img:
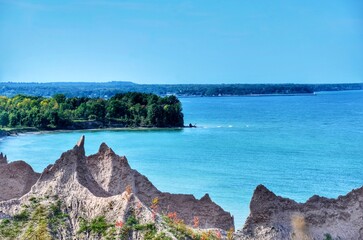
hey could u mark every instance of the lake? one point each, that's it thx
(297, 146)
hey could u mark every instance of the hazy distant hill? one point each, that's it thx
(108, 89)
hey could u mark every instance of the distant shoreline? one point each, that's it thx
(254, 95)
(108, 89)
(271, 95)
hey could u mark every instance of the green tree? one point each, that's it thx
(60, 98)
(14, 119)
(4, 119)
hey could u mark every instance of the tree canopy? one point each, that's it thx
(132, 109)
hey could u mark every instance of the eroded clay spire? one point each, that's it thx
(79, 147)
(80, 142)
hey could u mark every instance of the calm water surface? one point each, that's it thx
(297, 146)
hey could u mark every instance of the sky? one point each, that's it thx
(172, 41)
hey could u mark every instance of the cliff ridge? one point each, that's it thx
(104, 184)
(275, 217)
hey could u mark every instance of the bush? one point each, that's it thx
(22, 216)
(99, 225)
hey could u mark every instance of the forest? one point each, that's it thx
(130, 109)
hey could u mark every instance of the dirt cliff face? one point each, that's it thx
(16, 178)
(113, 174)
(104, 184)
(274, 217)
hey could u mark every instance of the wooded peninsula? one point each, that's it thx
(131, 109)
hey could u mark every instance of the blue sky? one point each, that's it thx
(173, 41)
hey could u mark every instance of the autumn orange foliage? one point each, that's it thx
(119, 224)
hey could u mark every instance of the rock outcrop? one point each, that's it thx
(104, 184)
(16, 178)
(274, 217)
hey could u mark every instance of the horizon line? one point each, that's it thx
(130, 82)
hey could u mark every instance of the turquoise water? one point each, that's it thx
(297, 146)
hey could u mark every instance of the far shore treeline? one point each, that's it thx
(108, 89)
(131, 109)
